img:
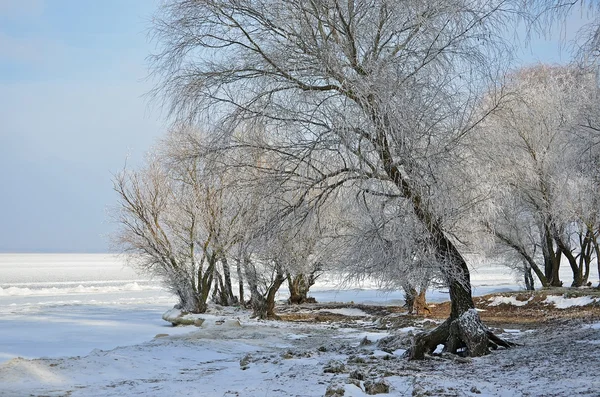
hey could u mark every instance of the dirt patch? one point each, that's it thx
(524, 310)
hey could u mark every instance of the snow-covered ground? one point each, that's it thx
(86, 325)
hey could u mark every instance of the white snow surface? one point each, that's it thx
(348, 311)
(560, 302)
(86, 325)
(272, 358)
(508, 300)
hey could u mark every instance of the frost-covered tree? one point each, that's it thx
(531, 156)
(372, 93)
(162, 229)
(374, 240)
(178, 220)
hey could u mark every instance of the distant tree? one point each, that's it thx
(529, 150)
(179, 220)
(376, 241)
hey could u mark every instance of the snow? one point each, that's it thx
(84, 325)
(352, 312)
(79, 289)
(594, 326)
(507, 300)
(560, 302)
(209, 363)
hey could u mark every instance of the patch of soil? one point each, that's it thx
(318, 312)
(532, 314)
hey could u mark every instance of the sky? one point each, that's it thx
(72, 109)
(73, 75)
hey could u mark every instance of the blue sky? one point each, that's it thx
(72, 80)
(72, 77)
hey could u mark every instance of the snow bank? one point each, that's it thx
(177, 317)
(348, 311)
(507, 300)
(560, 302)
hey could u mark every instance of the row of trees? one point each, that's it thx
(196, 221)
(540, 157)
(374, 136)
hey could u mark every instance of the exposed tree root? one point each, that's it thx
(466, 336)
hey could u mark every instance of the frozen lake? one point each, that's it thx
(68, 304)
(55, 305)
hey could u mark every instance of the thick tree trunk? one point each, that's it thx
(270, 301)
(464, 327)
(299, 286)
(263, 302)
(415, 301)
(463, 332)
(552, 259)
(555, 270)
(263, 306)
(231, 298)
(575, 268)
(222, 290)
(410, 295)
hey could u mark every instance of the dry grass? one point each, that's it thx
(535, 313)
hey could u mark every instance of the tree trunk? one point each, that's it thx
(415, 301)
(575, 269)
(528, 261)
(270, 301)
(529, 283)
(263, 306)
(218, 291)
(463, 332)
(231, 298)
(420, 304)
(410, 294)
(299, 286)
(467, 328)
(552, 259)
(240, 283)
(555, 270)
(585, 256)
(263, 303)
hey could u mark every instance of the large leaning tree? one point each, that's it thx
(374, 95)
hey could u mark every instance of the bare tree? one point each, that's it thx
(530, 153)
(377, 94)
(160, 227)
(180, 221)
